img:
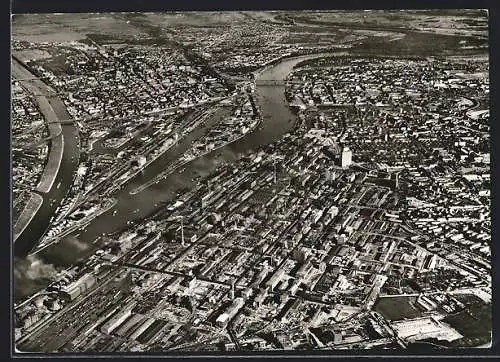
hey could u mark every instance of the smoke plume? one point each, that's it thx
(31, 274)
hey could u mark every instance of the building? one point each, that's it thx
(229, 314)
(78, 287)
(275, 279)
(346, 157)
(117, 319)
(430, 262)
(426, 303)
(141, 161)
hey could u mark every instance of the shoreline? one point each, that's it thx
(29, 211)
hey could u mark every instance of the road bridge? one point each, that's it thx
(63, 121)
(269, 82)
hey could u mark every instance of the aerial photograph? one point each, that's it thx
(248, 181)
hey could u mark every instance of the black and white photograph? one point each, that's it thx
(250, 181)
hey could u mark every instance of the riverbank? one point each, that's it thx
(62, 161)
(109, 204)
(30, 209)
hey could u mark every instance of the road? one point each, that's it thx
(233, 337)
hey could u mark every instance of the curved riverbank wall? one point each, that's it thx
(41, 91)
(55, 155)
(30, 209)
(61, 164)
(56, 147)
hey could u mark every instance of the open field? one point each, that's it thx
(444, 21)
(424, 44)
(194, 19)
(68, 27)
(402, 33)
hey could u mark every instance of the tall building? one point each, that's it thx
(346, 158)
